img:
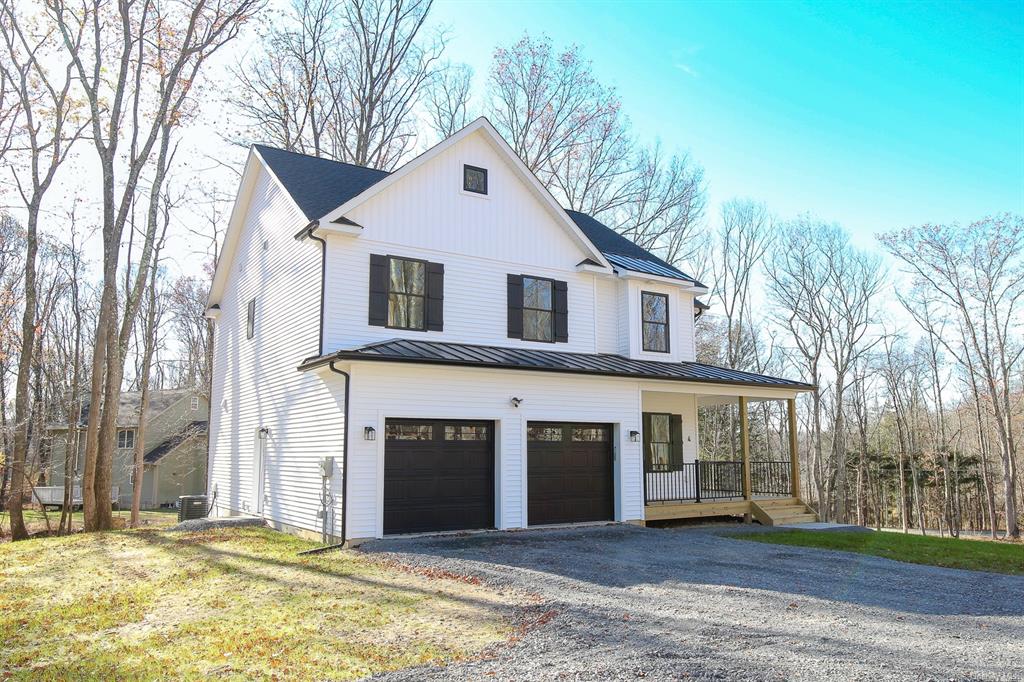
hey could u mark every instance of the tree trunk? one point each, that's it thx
(21, 391)
(147, 361)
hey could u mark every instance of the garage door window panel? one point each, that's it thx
(409, 432)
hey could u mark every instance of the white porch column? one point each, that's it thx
(745, 447)
(794, 459)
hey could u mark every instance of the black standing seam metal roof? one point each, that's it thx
(500, 357)
(318, 186)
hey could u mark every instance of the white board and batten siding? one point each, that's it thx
(480, 240)
(383, 390)
(256, 381)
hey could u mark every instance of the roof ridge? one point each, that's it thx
(319, 158)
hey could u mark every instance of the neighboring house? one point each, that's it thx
(175, 447)
(468, 353)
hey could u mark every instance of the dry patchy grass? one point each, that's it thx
(41, 522)
(233, 603)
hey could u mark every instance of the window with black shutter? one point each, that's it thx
(406, 293)
(538, 309)
(663, 441)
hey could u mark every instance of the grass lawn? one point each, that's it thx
(235, 603)
(975, 555)
(36, 520)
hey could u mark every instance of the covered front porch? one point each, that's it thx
(702, 458)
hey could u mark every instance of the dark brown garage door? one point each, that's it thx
(569, 473)
(438, 475)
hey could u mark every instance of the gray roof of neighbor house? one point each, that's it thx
(318, 186)
(131, 405)
(499, 357)
(172, 441)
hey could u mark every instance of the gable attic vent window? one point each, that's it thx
(194, 403)
(474, 179)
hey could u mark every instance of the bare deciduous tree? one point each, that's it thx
(569, 129)
(47, 128)
(136, 70)
(447, 99)
(976, 273)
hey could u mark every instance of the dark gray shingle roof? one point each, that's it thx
(196, 428)
(500, 357)
(321, 185)
(318, 185)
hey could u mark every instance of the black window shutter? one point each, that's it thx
(515, 306)
(378, 290)
(435, 297)
(561, 311)
(675, 425)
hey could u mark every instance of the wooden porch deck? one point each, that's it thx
(767, 511)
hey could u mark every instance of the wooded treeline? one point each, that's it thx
(915, 341)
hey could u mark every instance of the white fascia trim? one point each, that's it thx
(347, 230)
(597, 269)
(499, 144)
(683, 284)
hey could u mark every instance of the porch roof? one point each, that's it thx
(537, 360)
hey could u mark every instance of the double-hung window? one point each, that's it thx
(125, 439)
(658, 441)
(654, 312)
(538, 317)
(407, 292)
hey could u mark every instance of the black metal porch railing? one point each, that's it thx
(770, 478)
(697, 481)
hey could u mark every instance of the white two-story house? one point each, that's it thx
(444, 347)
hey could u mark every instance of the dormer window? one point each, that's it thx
(654, 310)
(474, 179)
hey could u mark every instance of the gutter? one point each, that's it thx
(308, 231)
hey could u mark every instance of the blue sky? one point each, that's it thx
(874, 115)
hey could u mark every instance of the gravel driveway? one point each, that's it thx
(622, 602)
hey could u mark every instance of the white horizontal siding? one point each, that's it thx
(475, 298)
(256, 383)
(385, 390)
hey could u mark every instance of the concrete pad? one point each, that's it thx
(822, 525)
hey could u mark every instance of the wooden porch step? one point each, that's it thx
(782, 512)
(795, 518)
